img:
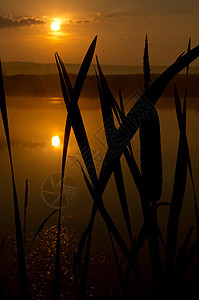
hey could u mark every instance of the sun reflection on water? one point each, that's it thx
(55, 141)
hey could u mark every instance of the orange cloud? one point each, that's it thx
(10, 22)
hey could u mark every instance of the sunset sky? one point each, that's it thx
(121, 25)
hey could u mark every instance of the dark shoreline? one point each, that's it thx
(48, 85)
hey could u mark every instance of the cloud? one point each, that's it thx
(10, 22)
(98, 18)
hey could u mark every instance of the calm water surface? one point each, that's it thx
(34, 121)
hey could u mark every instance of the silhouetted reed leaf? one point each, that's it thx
(121, 102)
(19, 236)
(109, 126)
(181, 127)
(25, 210)
(81, 245)
(182, 251)
(188, 158)
(188, 259)
(178, 193)
(87, 234)
(122, 114)
(41, 226)
(84, 274)
(84, 69)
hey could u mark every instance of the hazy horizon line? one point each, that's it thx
(78, 63)
(36, 68)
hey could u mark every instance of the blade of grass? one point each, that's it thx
(25, 211)
(188, 158)
(84, 69)
(41, 226)
(19, 237)
(84, 274)
(192, 253)
(177, 195)
(109, 126)
(180, 124)
(121, 102)
(182, 251)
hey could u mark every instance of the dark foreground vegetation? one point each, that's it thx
(168, 263)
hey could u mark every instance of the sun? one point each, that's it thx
(55, 141)
(55, 26)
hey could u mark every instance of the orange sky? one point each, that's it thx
(26, 35)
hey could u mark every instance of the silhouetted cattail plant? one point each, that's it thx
(151, 169)
(150, 145)
(146, 66)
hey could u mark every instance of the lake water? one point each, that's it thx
(34, 121)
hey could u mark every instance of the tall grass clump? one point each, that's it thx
(148, 181)
(148, 177)
(92, 182)
(71, 97)
(18, 228)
